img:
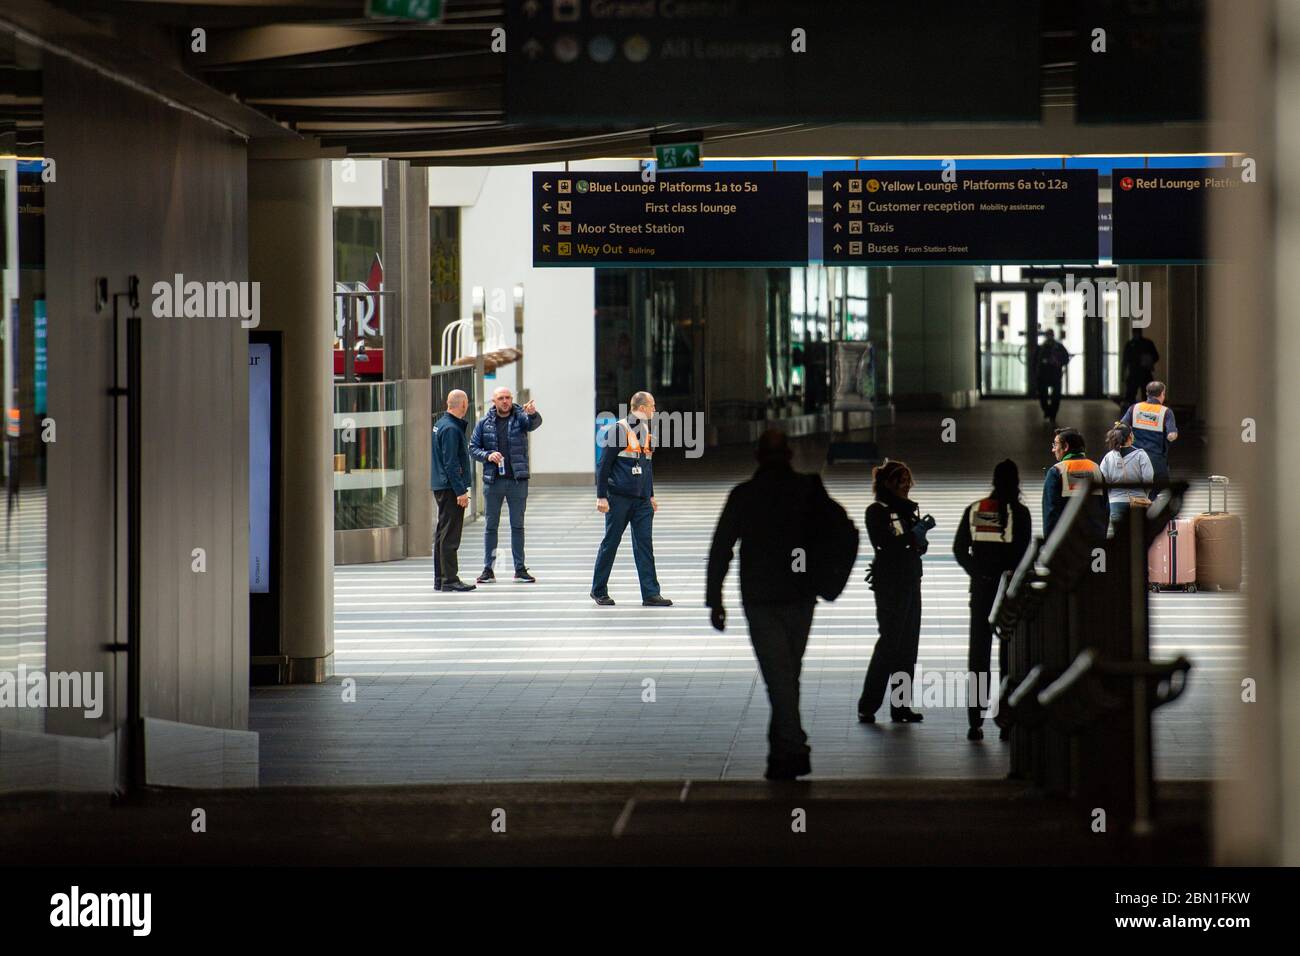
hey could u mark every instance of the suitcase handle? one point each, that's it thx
(1222, 481)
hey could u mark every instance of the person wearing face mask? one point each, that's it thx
(898, 535)
(625, 494)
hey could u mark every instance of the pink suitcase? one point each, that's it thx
(1171, 562)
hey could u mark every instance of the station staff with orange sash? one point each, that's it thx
(991, 539)
(1153, 427)
(1067, 478)
(625, 495)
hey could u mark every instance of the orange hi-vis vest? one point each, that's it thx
(1149, 417)
(1073, 471)
(634, 447)
(986, 522)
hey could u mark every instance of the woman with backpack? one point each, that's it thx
(898, 535)
(1124, 463)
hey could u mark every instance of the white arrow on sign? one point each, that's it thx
(546, 186)
(546, 207)
(838, 247)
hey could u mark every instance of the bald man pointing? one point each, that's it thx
(450, 477)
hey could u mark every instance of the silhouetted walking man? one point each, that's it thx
(776, 516)
(1052, 359)
(1139, 361)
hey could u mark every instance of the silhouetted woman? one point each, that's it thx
(897, 534)
(991, 539)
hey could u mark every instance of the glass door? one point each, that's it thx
(1090, 333)
(1004, 342)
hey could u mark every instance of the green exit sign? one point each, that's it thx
(428, 10)
(677, 157)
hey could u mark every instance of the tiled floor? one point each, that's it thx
(520, 682)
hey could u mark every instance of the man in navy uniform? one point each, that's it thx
(625, 494)
(1153, 427)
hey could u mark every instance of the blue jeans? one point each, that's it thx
(515, 491)
(640, 514)
(1117, 510)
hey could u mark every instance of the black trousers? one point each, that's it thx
(1049, 396)
(779, 633)
(1135, 386)
(983, 592)
(898, 619)
(446, 537)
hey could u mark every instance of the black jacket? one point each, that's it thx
(889, 526)
(450, 466)
(988, 559)
(771, 515)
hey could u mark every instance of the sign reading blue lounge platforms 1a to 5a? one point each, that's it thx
(706, 219)
(1159, 214)
(989, 217)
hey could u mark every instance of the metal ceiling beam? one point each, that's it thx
(278, 41)
(100, 48)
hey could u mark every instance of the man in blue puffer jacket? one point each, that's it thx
(500, 442)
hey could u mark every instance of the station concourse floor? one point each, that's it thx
(533, 682)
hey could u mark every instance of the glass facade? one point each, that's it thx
(368, 423)
(648, 336)
(358, 246)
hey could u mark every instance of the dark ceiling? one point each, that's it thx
(433, 93)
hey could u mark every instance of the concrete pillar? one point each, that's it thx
(1254, 347)
(290, 238)
(880, 323)
(736, 319)
(933, 330)
(406, 341)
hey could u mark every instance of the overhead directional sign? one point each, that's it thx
(736, 61)
(1159, 214)
(989, 217)
(708, 219)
